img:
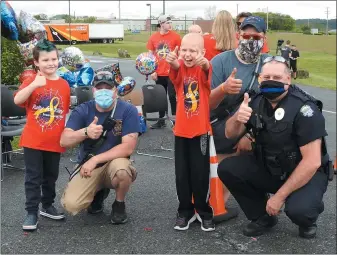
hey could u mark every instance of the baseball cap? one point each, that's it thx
(163, 19)
(104, 77)
(256, 22)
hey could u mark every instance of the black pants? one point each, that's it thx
(167, 84)
(250, 184)
(192, 168)
(293, 65)
(42, 169)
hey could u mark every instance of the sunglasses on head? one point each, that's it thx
(106, 76)
(277, 59)
(249, 36)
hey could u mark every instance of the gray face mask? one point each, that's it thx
(249, 50)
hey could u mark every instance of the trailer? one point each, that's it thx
(106, 33)
(65, 33)
(87, 33)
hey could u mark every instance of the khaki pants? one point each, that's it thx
(80, 192)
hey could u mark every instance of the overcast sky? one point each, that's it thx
(192, 9)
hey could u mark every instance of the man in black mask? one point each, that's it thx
(289, 156)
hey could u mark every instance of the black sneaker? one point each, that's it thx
(206, 225)
(30, 222)
(308, 232)
(183, 223)
(97, 204)
(118, 213)
(52, 213)
(260, 226)
(159, 124)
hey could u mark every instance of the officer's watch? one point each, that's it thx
(86, 131)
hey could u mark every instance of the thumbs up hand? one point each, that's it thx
(39, 80)
(172, 56)
(244, 112)
(232, 85)
(94, 131)
(202, 61)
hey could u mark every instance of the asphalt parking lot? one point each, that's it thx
(151, 206)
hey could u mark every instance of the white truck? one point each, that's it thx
(105, 33)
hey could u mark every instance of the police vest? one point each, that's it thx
(275, 145)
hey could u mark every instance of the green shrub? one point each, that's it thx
(12, 62)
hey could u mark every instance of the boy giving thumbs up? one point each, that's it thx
(190, 74)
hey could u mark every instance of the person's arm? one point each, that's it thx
(309, 141)
(150, 45)
(74, 132)
(130, 130)
(311, 161)
(123, 150)
(236, 125)
(23, 94)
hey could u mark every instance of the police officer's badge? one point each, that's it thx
(307, 111)
(279, 113)
(117, 130)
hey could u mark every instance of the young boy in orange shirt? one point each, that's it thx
(46, 98)
(190, 76)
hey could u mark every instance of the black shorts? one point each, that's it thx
(293, 66)
(222, 144)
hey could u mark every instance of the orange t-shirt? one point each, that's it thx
(192, 85)
(161, 45)
(46, 110)
(265, 48)
(209, 44)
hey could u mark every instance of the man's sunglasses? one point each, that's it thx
(277, 59)
(249, 36)
(238, 24)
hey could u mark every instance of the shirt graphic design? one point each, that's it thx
(191, 96)
(48, 109)
(162, 49)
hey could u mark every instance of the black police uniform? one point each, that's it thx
(295, 122)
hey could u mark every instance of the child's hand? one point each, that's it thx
(202, 61)
(40, 80)
(172, 56)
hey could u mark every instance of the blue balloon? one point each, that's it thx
(126, 86)
(9, 25)
(85, 76)
(67, 75)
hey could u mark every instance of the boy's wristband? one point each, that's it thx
(86, 131)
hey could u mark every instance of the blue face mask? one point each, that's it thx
(104, 98)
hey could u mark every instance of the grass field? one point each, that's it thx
(318, 53)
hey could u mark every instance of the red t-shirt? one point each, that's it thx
(161, 45)
(209, 45)
(192, 85)
(46, 110)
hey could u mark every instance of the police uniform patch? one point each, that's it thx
(117, 130)
(307, 111)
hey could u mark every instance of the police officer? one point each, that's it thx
(289, 156)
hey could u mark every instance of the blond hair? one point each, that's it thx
(223, 30)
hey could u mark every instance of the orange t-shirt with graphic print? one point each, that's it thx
(209, 45)
(46, 111)
(161, 45)
(192, 85)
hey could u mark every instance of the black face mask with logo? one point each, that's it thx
(272, 89)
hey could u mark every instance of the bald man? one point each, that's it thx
(195, 29)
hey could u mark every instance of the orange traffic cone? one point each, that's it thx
(217, 201)
(335, 166)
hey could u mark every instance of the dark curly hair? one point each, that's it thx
(43, 45)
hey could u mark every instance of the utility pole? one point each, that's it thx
(237, 9)
(69, 23)
(119, 11)
(163, 7)
(327, 19)
(267, 18)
